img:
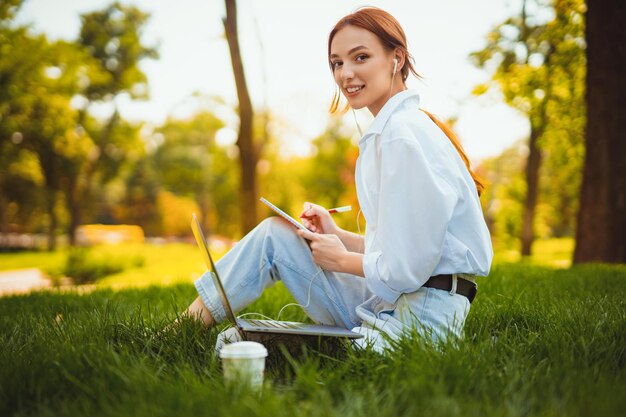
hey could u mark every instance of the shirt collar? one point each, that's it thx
(388, 108)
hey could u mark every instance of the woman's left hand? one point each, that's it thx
(327, 250)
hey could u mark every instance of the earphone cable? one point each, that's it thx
(308, 301)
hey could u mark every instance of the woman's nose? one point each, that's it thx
(346, 72)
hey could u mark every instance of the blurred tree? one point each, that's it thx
(503, 199)
(41, 85)
(113, 38)
(8, 10)
(249, 149)
(21, 181)
(37, 82)
(191, 164)
(19, 166)
(329, 179)
(280, 174)
(67, 70)
(139, 202)
(539, 68)
(115, 168)
(281, 181)
(53, 132)
(174, 213)
(601, 233)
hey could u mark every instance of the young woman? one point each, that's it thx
(426, 238)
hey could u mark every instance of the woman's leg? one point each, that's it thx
(198, 310)
(272, 252)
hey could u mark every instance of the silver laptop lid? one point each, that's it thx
(204, 247)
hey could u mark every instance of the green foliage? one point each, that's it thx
(538, 63)
(37, 121)
(537, 342)
(8, 10)
(118, 166)
(503, 199)
(139, 202)
(84, 266)
(191, 164)
(175, 213)
(329, 179)
(113, 37)
(331, 171)
(71, 155)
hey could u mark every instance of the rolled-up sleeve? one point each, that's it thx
(415, 206)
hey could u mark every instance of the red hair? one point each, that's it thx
(391, 35)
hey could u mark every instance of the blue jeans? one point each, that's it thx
(273, 251)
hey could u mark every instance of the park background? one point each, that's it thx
(125, 118)
(100, 147)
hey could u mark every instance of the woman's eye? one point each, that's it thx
(361, 58)
(336, 64)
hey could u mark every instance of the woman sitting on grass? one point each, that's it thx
(426, 237)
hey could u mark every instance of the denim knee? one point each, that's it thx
(282, 230)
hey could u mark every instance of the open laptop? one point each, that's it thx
(262, 326)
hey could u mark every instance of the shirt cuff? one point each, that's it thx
(373, 278)
(208, 294)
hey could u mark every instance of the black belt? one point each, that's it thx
(464, 287)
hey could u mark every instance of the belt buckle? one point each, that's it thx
(453, 284)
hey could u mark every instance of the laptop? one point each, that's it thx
(262, 326)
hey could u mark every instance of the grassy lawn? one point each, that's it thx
(162, 264)
(23, 260)
(556, 252)
(538, 341)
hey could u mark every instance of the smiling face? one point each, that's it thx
(363, 69)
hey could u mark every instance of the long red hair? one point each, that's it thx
(392, 36)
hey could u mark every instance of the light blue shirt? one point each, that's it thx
(419, 201)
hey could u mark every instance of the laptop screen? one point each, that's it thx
(204, 247)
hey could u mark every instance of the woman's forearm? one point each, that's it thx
(352, 263)
(352, 241)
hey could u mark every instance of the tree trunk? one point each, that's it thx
(248, 153)
(73, 206)
(532, 187)
(4, 214)
(601, 231)
(52, 227)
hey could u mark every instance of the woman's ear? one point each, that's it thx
(399, 56)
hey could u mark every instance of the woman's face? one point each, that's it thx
(362, 68)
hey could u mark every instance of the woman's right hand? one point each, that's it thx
(318, 220)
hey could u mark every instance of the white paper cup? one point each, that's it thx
(243, 363)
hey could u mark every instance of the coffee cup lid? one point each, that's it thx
(240, 350)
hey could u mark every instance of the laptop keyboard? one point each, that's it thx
(274, 324)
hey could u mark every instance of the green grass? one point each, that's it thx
(538, 342)
(165, 264)
(555, 252)
(23, 260)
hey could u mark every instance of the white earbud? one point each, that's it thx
(395, 65)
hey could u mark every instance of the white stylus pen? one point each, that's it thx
(340, 209)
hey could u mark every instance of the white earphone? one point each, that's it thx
(395, 65)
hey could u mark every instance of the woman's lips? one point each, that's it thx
(355, 93)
